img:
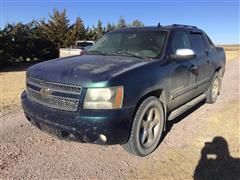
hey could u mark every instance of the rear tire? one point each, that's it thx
(214, 89)
(147, 128)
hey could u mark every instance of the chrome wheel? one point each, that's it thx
(147, 128)
(215, 88)
(150, 127)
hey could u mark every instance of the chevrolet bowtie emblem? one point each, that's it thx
(45, 92)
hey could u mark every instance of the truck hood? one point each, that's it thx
(82, 70)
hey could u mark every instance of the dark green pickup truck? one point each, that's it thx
(126, 87)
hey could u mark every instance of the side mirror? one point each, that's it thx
(183, 54)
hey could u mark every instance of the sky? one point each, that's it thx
(219, 18)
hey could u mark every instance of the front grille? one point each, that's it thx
(71, 89)
(62, 102)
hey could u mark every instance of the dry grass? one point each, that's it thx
(13, 83)
(235, 47)
(232, 51)
(231, 55)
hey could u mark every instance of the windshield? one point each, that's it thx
(138, 43)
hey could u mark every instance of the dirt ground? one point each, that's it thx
(202, 144)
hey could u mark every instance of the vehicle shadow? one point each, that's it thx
(216, 162)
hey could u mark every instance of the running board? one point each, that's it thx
(186, 107)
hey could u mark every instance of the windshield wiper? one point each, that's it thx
(129, 54)
(133, 55)
(97, 52)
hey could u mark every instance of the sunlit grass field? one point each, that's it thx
(232, 51)
(12, 83)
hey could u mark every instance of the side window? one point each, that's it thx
(210, 43)
(198, 43)
(180, 41)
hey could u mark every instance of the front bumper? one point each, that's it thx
(82, 125)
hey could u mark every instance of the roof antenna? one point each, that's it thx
(159, 25)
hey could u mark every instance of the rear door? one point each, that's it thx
(202, 61)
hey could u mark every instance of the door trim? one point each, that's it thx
(182, 90)
(206, 80)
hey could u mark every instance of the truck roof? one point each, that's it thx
(167, 27)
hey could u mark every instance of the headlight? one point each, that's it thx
(104, 98)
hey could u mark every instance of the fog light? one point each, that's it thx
(103, 137)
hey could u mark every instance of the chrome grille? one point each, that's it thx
(53, 101)
(71, 89)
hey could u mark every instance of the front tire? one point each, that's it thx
(147, 128)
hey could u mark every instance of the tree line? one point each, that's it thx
(41, 40)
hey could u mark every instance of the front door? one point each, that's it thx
(183, 74)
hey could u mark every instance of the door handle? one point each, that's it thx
(194, 69)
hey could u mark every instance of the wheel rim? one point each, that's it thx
(215, 88)
(150, 127)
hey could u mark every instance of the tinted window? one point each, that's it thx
(211, 45)
(198, 43)
(180, 41)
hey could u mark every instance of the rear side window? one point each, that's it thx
(198, 44)
(180, 41)
(210, 43)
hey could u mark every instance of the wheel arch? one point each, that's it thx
(161, 95)
(220, 70)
